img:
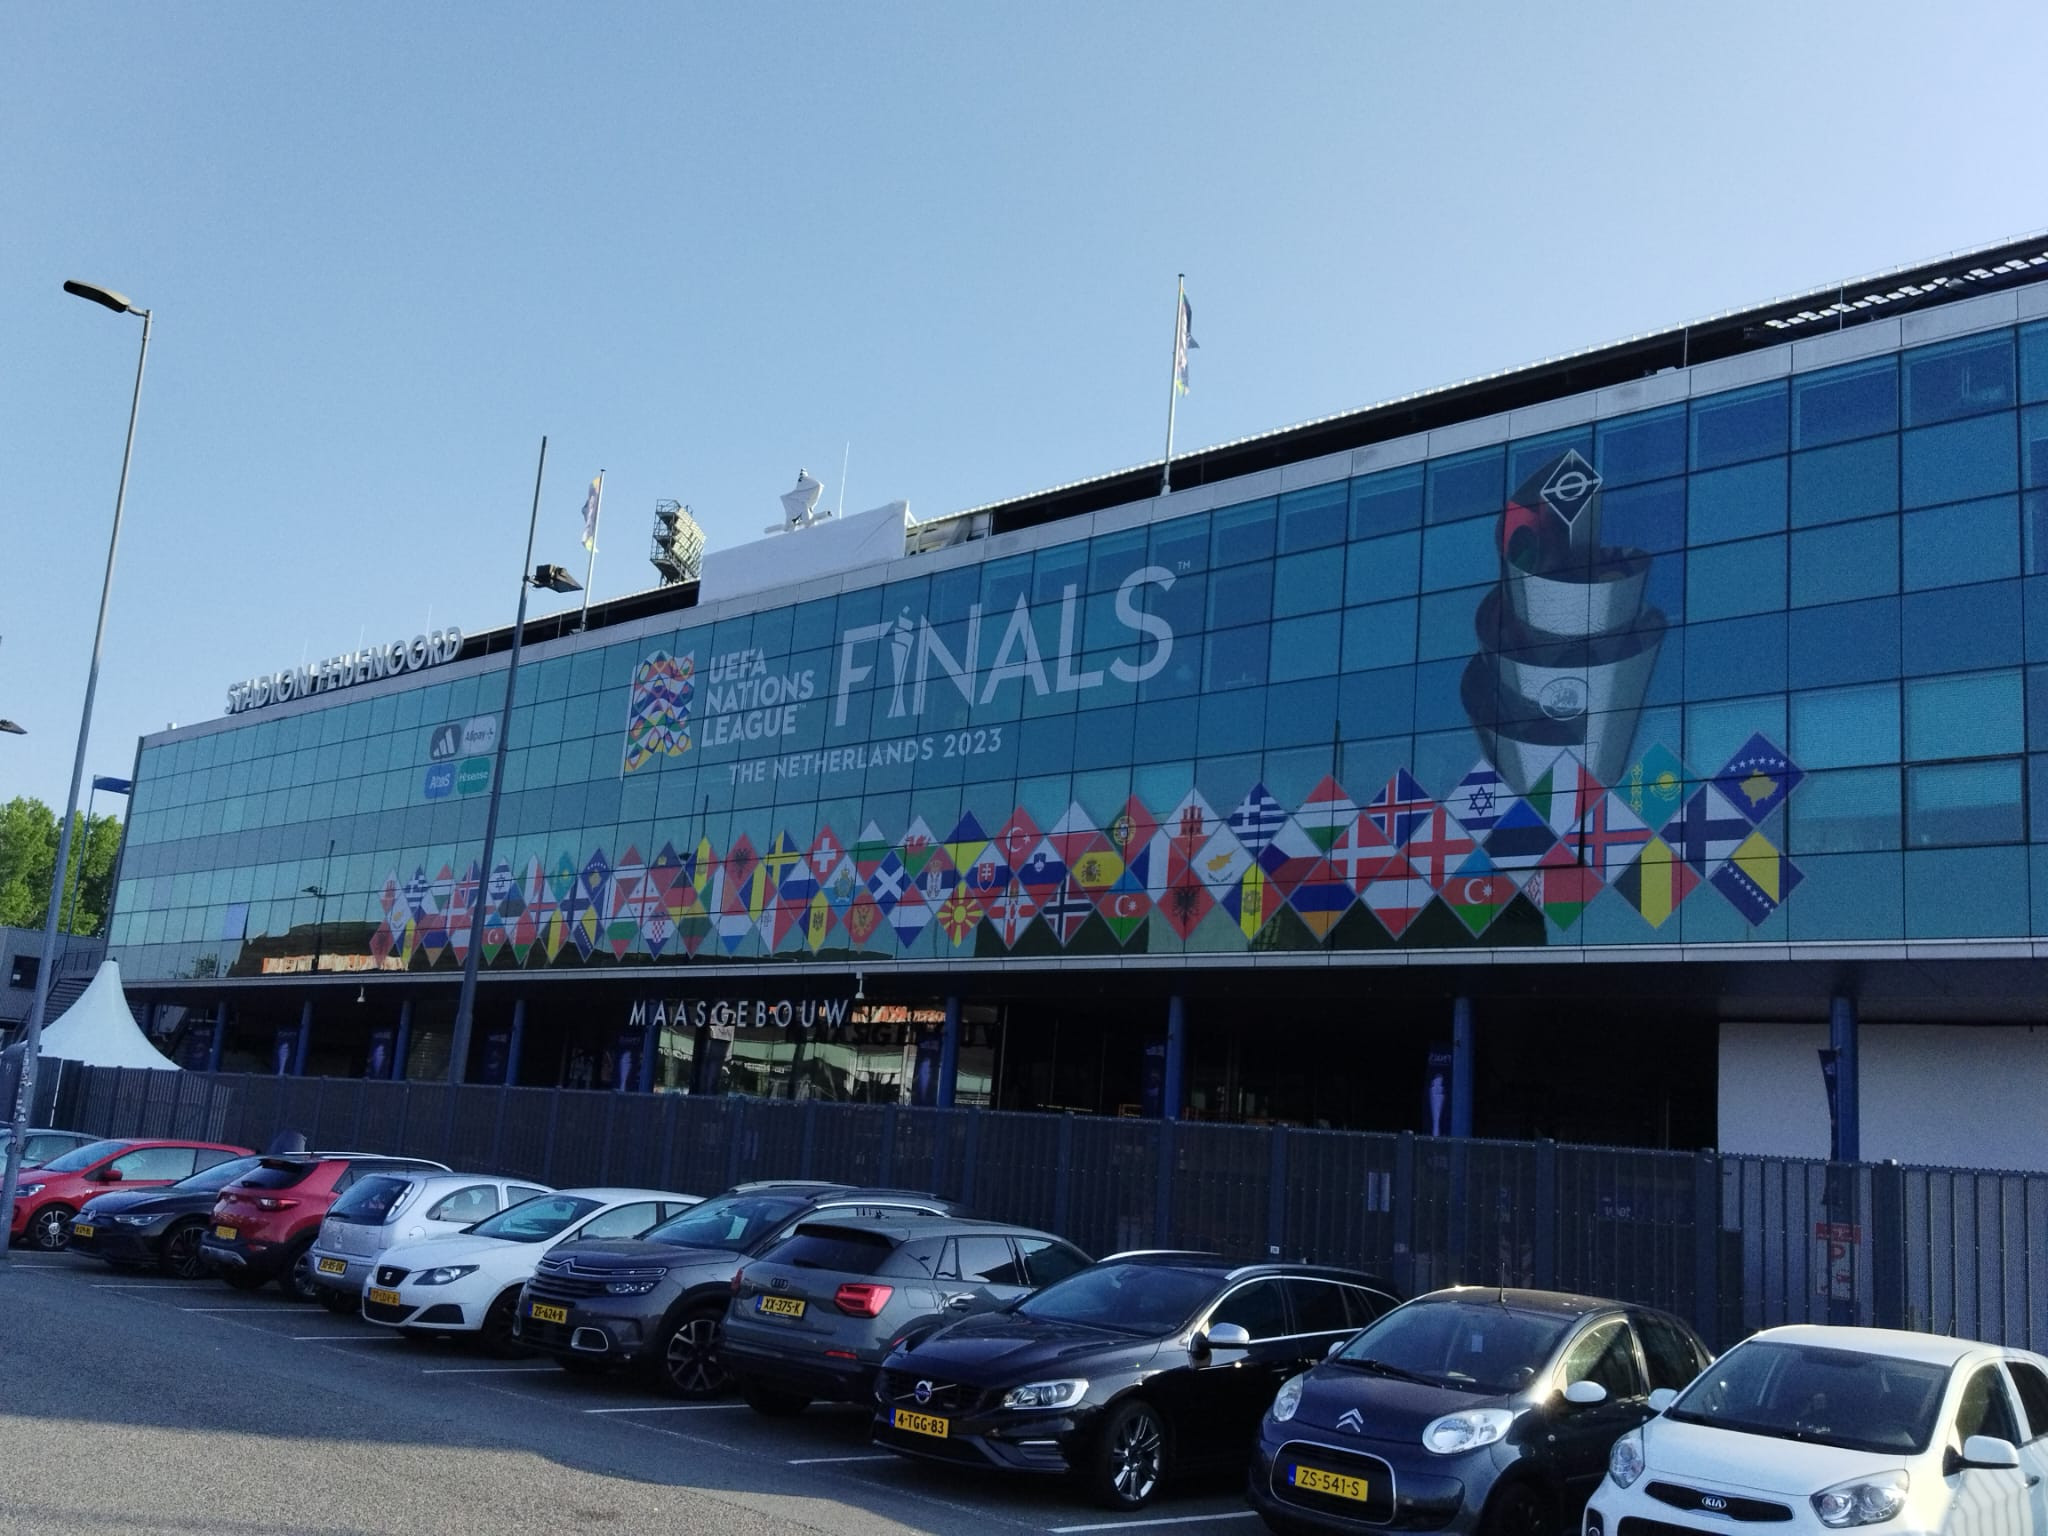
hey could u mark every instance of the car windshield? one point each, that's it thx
(732, 1222)
(1837, 1397)
(219, 1176)
(1139, 1299)
(79, 1158)
(1470, 1345)
(535, 1220)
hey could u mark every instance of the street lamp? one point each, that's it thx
(32, 1039)
(112, 786)
(10, 728)
(551, 578)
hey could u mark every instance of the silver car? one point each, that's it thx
(385, 1209)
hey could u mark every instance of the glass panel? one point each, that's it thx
(2034, 361)
(1237, 657)
(1851, 812)
(1958, 629)
(1848, 560)
(1240, 594)
(2034, 446)
(1743, 424)
(1305, 647)
(1959, 378)
(1379, 636)
(1951, 546)
(1830, 485)
(1314, 516)
(1971, 716)
(1737, 503)
(1459, 555)
(1386, 502)
(1962, 804)
(1846, 726)
(1726, 580)
(1837, 404)
(1308, 583)
(1649, 517)
(1958, 462)
(1243, 533)
(1646, 446)
(1466, 485)
(1382, 568)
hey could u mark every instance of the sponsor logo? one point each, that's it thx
(473, 777)
(440, 781)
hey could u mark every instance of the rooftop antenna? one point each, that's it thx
(844, 459)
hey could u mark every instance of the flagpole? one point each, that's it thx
(1173, 383)
(590, 565)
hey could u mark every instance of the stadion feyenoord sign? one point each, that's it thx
(348, 669)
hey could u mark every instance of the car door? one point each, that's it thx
(1988, 1501)
(2030, 1383)
(147, 1166)
(1580, 1435)
(1233, 1388)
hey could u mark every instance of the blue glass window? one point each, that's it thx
(1965, 459)
(1716, 732)
(2037, 797)
(1236, 657)
(1382, 568)
(1950, 546)
(1459, 555)
(1532, 454)
(1646, 446)
(1182, 545)
(1314, 516)
(1438, 704)
(1647, 517)
(1446, 625)
(1727, 580)
(1832, 485)
(1836, 404)
(2034, 548)
(1735, 656)
(1377, 703)
(2037, 707)
(2034, 361)
(1742, 424)
(1466, 485)
(2034, 446)
(1957, 629)
(1305, 647)
(1301, 714)
(1111, 557)
(1954, 805)
(1959, 378)
(1845, 561)
(1056, 569)
(1977, 715)
(1386, 502)
(1850, 812)
(1737, 503)
(1243, 533)
(1382, 635)
(1308, 583)
(1233, 723)
(1846, 727)
(1240, 594)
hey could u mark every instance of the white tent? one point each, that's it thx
(100, 1031)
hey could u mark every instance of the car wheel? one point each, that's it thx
(182, 1259)
(1130, 1456)
(49, 1230)
(1519, 1509)
(340, 1303)
(773, 1404)
(496, 1335)
(297, 1279)
(686, 1361)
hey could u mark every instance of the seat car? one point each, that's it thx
(383, 1209)
(135, 1228)
(47, 1199)
(657, 1305)
(816, 1314)
(1806, 1429)
(263, 1224)
(40, 1144)
(1471, 1409)
(1135, 1369)
(469, 1283)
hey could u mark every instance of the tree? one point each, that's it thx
(28, 854)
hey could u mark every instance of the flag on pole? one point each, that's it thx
(1183, 342)
(590, 506)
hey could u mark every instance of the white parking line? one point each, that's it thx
(337, 1338)
(1127, 1525)
(826, 1461)
(673, 1408)
(278, 1311)
(153, 1285)
(491, 1370)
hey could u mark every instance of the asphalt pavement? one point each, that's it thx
(130, 1403)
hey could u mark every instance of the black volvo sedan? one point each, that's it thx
(1124, 1374)
(1469, 1410)
(134, 1228)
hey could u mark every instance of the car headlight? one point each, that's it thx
(135, 1221)
(1045, 1394)
(447, 1274)
(1288, 1398)
(27, 1191)
(1625, 1461)
(1456, 1432)
(628, 1287)
(1866, 1501)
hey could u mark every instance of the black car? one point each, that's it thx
(817, 1313)
(1472, 1409)
(1124, 1374)
(135, 1228)
(657, 1303)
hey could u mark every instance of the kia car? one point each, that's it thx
(468, 1284)
(1470, 1410)
(263, 1225)
(46, 1198)
(1806, 1430)
(138, 1228)
(1124, 1375)
(657, 1305)
(816, 1314)
(383, 1209)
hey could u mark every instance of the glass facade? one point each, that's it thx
(1769, 663)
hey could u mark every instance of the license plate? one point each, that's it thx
(225, 1234)
(333, 1266)
(541, 1312)
(781, 1306)
(384, 1298)
(1338, 1485)
(83, 1229)
(920, 1423)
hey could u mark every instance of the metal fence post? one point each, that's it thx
(729, 1110)
(1162, 1193)
(970, 1144)
(404, 1119)
(1547, 1216)
(604, 1153)
(1706, 1247)
(668, 1139)
(888, 1165)
(1276, 1196)
(547, 1156)
(1060, 1170)
(1404, 1213)
(1888, 1244)
(810, 1138)
(498, 1127)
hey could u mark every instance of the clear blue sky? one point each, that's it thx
(701, 246)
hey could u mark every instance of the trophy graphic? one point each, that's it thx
(1566, 646)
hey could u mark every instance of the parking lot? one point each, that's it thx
(134, 1403)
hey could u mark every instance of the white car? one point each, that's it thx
(470, 1283)
(383, 1209)
(1809, 1430)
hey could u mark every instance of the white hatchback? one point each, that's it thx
(1810, 1430)
(383, 1209)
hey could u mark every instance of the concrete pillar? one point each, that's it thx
(949, 1053)
(1462, 1058)
(220, 1036)
(512, 1046)
(1170, 1092)
(403, 1048)
(1847, 1145)
(305, 1038)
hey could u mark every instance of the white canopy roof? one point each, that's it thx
(100, 1031)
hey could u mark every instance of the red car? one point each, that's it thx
(46, 1198)
(265, 1221)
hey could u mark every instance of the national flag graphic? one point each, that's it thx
(1190, 824)
(1252, 901)
(1042, 870)
(1438, 848)
(1360, 853)
(1012, 912)
(1289, 857)
(863, 919)
(986, 878)
(1067, 911)
(1479, 799)
(1613, 836)
(1124, 905)
(964, 843)
(1520, 838)
(592, 504)
(1657, 882)
(1564, 795)
(1018, 837)
(958, 916)
(658, 713)
(825, 855)
(817, 921)
(1654, 785)
(1757, 878)
(1322, 898)
(1221, 861)
(1398, 895)
(1706, 829)
(1401, 808)
(1561, 886)
(1257, 819)
(1477, 891)
(1075, 833)
(1131, 830)
(1187, 901)
(911, 915)
(889, 881)
(1325, 814)
(1757, 779)
(870, 850)
(1096, 869)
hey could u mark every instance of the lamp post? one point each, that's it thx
(116, 786)
(32, 1039)
(554, 579)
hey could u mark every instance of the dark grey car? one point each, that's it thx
(815, 1316)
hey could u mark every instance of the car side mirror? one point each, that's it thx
(109, 1176)
(1985, 1453)
(1332, 1351)
(1221, 1337)
(1662, 1398)
(1584, 1394)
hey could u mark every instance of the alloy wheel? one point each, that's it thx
(50, 1229)
(691, 1360)
(181, 1254)
(1135, 1453)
